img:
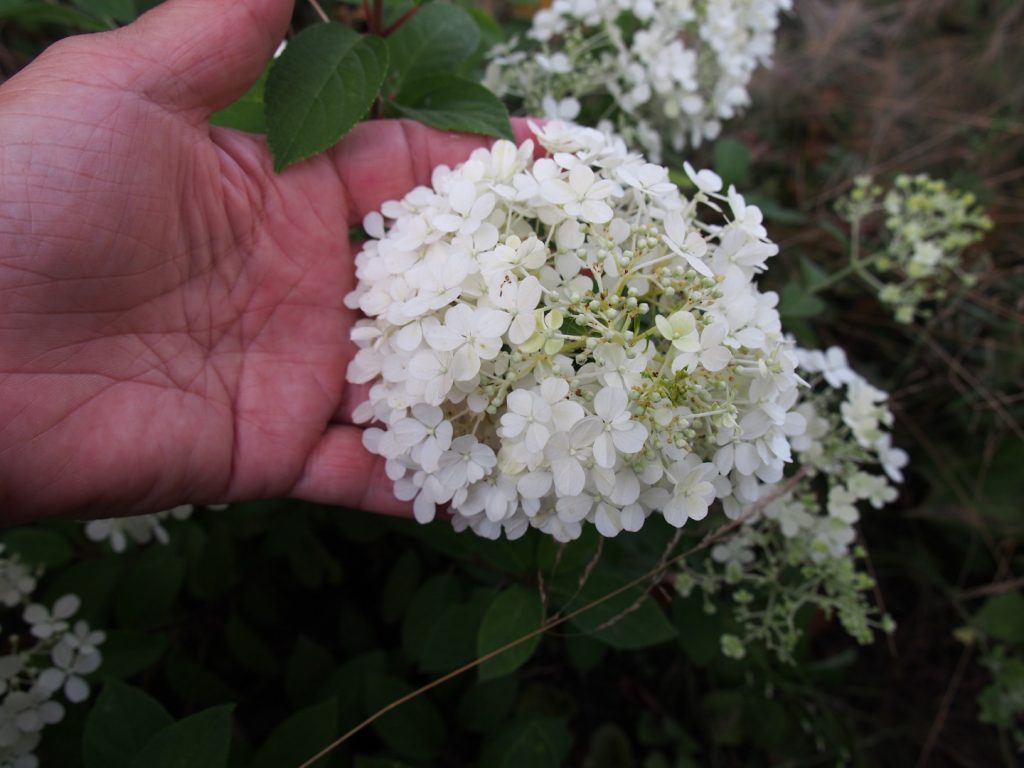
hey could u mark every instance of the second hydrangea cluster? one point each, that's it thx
(566, 340)
(667, 72)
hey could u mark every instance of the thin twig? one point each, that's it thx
(999, 588)
(320, 12)
(944, 705)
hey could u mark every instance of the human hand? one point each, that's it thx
(171, 317)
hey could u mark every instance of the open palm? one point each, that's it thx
(171, 317)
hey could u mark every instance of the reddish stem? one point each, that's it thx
(378, 16)
(401, 20)
(369, 17)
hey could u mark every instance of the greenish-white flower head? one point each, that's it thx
(917, 259)
(565, 340)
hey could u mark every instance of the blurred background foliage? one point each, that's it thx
(309, 619)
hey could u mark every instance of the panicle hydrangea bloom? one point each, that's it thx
(672, 70)
(38, 664)
(567, 340)
(140, 529)
(806, 523)
(916, 259)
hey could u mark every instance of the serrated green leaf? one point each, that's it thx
(120, 724)
(515, 612)
(199, 741)
(454, 104)
(299, 737)
(319, 88)
(246, 114)
(437, 38)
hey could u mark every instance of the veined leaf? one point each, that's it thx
(454, 104)
(323, 83)
(437, 39)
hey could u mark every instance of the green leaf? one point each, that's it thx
(299, 737)
(486, 705)
(610, 747)
(39, 546)
(246, 114)
(120, 724)
(32, 13)
(515, 612)
(732, 160)
(699, 632)
(249, 649)
(94, 581)
(126, 652)
(454, 104)
(323, 84)
(196, 685)
(426, 606)
(308, 667)
(813, 274)
(146, 596)
(400, 585)
(629, 620)
(1002, 617)
(539, 743)
(798, 303)
(437, 38)
(121, 11)
(415, 729)
(776, 213)
(199, 741)
(451, 642)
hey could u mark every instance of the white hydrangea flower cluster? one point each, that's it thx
(806, 523)
(569, 339)
(670, 70)
(918, 258)
(50, 658)
(140, 529)
(846, 440)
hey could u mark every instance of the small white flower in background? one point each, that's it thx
(138, 529)
(49, 661)
(46, 623)
(674, 72)
(581, 365)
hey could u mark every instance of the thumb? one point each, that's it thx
(205, 53)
